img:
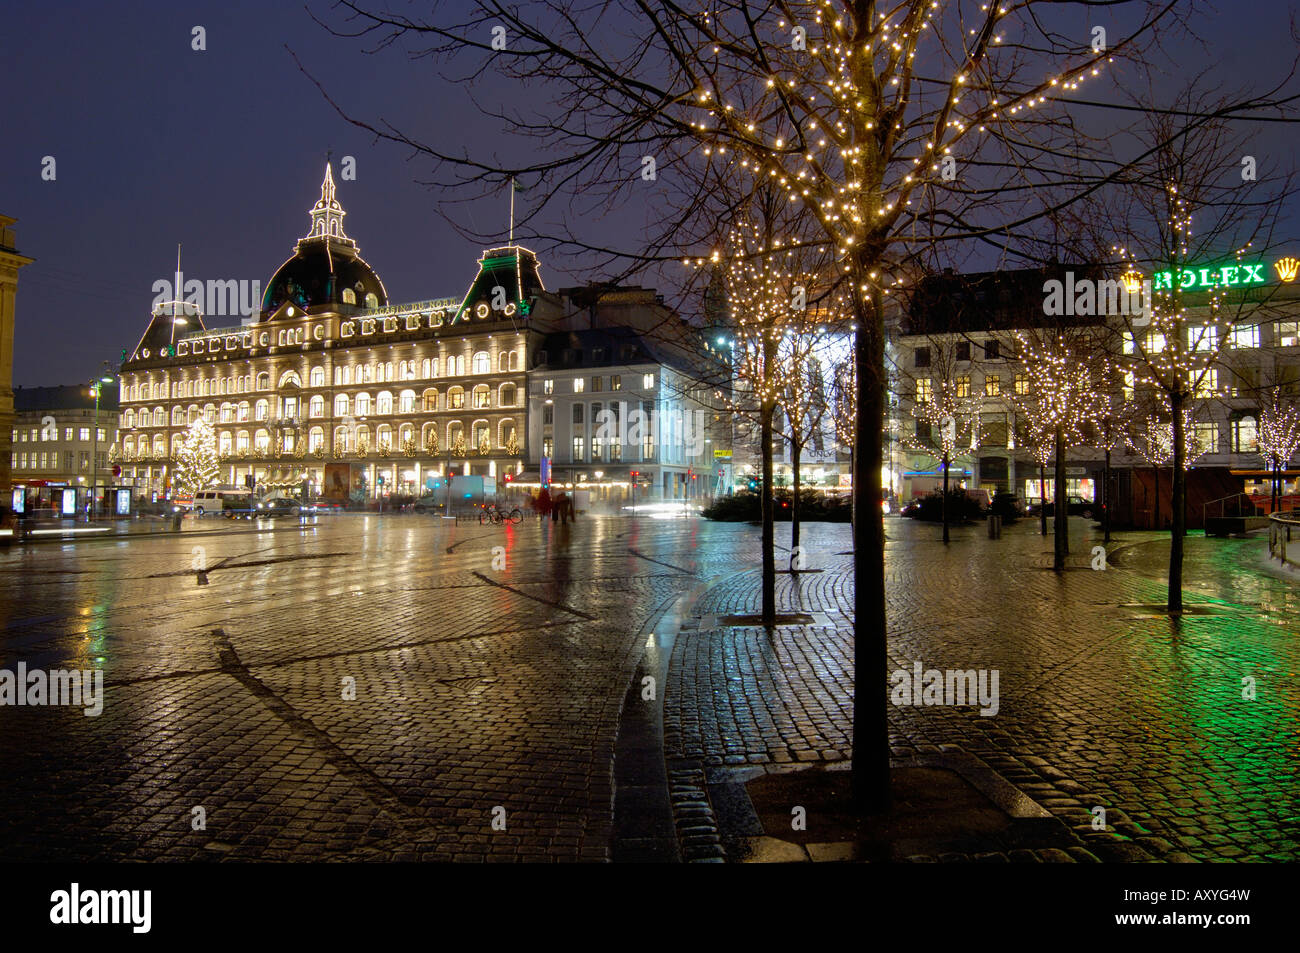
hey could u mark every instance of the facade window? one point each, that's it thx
(1246, 335)
(482, 363)
(548, 414)
(1206, 437)
(924, 390)
(595, 385)
(406, 402)
(548, 387)
(548, 447)
(341, 405)
(615, 382)
(577, 413)
(992, 385)
(316, 406)
(371, 299)
(456, 398)
(963, 385)
(67, 433)
(84, 433)
(921, 357)
(1209, 383)
(459, 362)
(963, 350)
(317, 377)
(992, 350)
(1021, 385)
(578, 456)
(384, 403)
(363, 405)
(1287, 334)
(349, 296)
(261, 409)
(579, 384)
(508, 395)
(1203, 339)
(482, 397)
(647, 381)
(1245, 435)
(430, 400)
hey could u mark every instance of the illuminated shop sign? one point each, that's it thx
(1201, 279)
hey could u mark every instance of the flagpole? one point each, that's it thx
(512, 211)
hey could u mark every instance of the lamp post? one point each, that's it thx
(95, 387)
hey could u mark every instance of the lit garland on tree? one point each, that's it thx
(196, 465)
(458, 445)
(484, 445)
(512, 444)
(1278, 433)
(431, 441)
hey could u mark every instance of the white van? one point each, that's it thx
(218, 501)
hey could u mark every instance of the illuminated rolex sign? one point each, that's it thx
(1202, 279)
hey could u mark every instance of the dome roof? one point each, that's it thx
(317, 277)
(327, 272)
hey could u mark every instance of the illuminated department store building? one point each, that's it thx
(333, 389)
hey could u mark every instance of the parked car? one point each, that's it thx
(1074, 506)
(219, 502)
(1009, 506)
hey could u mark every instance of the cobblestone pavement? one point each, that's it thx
(478, 687)
(475, 688)
(1103, 701)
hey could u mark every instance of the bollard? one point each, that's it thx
(176, 522)
(995, 527)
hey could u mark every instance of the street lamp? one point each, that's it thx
(95, 387)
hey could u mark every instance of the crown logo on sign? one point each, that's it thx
(1287, 269)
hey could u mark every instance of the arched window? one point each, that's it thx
(482, 433)
(482, 397)
(241, 442)
(341, 405)
(128, 419)
(405, 435)
(384, 438)
(191, 413)
(363, 437)
(262, 409)
(372, 300)
(224, 442)
(430, 400)
(160, 446)
(455, 398)
(507, 396)
(227, 412)
(363, 404)
(315, 439)
(424, 368)
(454, 429)
(241, 412)
(316, 407)
(290, 379)
(384, 402)
(176, 444)
(317, 377)
(210, 413)
(505, 430)
(482, 363)
(406, 402)
(159, 417)
(178, 418)
(262, 440)
(264, 381)
(460, 365)
(341, 439)
(503, 362)
(349, 296)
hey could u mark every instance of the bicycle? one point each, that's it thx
(491, 513)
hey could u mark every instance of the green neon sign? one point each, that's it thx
(1200, 279)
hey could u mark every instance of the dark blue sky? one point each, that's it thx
(223, 150)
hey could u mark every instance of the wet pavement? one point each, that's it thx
(400, 687)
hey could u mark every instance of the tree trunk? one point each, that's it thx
(1106, 501)
(853, 500)
(1179, 497)
(1156, 524)
(870, 770)
(795, 452)
(944, 509)
(1042, 500)
(1060, 524)
(766, 407)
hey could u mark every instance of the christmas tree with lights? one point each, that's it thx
(196, 460)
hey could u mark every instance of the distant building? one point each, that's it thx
(10, 262)
(58, 443)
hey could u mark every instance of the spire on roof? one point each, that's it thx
(327, 214)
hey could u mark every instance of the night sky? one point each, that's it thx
(223, 150)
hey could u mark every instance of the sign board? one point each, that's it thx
(123, 502)
(545, 471)
(1199, 279)
(721, 454)
(69, 502)
(20, 500)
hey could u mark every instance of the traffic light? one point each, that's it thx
(509, 477)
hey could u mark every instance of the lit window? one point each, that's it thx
(992, 385)
(1021, 385)
(1245, 335)
(579, 384)
(1245, 435)
(647, 381)
(1288, 334)
(924, 390)
(1203, 339)
(577, 449)
(616, 382)
(1205, 437)
(84, 433)
(548, 387)
(1208, 385)
(1155, 342)
(963, 385)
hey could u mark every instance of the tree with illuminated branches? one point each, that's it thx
(946, 417)
(891, 130)
(1066, 370)
(196, 466)
(1278, 435)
